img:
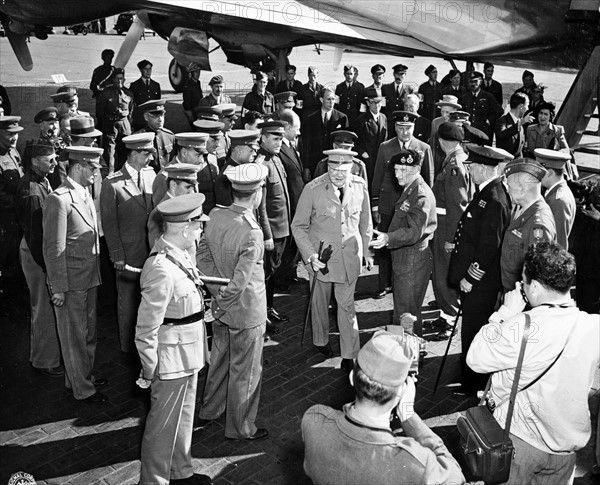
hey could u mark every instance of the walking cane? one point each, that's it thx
(437, 380)
(312, 290)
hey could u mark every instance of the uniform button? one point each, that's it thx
(343, 246)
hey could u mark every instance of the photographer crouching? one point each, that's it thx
(356, 445)
(551, 418)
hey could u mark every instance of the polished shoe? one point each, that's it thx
(271, 328)
(100, 382)
(96, 398)
(462, 391)
(49, 371)
(195, 479)
(275, 316)
(347, 365)
(260, 434)
(326, 349)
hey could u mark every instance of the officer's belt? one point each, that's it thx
(185, 320)
(440, 211)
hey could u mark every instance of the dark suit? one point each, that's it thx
(283, 86)
(495, 89)
(370, 134)
(431, 95)
(351, 99)
(316, 137)
(459, 93)
(125, 211)
(310, 100)
(393, 102)
(509, 135)
(142, 92)
(484, 110)
(422, 129)
(71, 250)
(476, 258)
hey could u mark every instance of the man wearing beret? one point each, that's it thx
(558, 195)
(394, 94)
(309, 97)
(126, 203)
(233, 248)
(259, 99)
(66, 101)
(32, 191)
(357, 445)
(475, 261)
(532, 221)
(334, 208)
(144, 89)
(216, 96)
(71, 251)
(11, 170)
(481, 105)
(171, 341)
(192, 92)
(153, 113)
(113, 112)
(431, 92)
(410, 230)
(316, 136)
(350, 94)
(371, 128)
(344, 140)
(453, 192)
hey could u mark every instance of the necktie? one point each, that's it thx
(325, 118)
(290, 86)
(140, 182)
(397, 91)
(341, 193)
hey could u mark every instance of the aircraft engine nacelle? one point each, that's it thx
(186, 45)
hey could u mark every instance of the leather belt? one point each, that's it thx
(185, 320)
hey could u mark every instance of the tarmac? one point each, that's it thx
(46, 433)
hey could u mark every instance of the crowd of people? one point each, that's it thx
(436, 183)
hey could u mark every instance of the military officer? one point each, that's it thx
(171, 341)
(216, 96)
(10, 172)
(395, 94)
(431, 91)
(125, 204)
(66, 101)
(192, 92)
(285, 100)
(344, 140)
(377, 73)
(182, 178)
(410, 230)
(49, 122)
(309, 97)
(334, 208)
(233, 248)
(446, 105)
(475, 261)
(453, 192)
(531, 222)
(32, 191)
(558, 194)
(113, 111)
(71, 250)
(290, 83)
(102, 72)
(214, 130)
(481, 105)
(259, 99)
(350, 94)
(227, 116)
(143, 90)
(153, 113)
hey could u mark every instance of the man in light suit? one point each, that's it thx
(171, 340)
(71, 251)
(125, 204)
(319, 126)
(334, 208)
(510, 135)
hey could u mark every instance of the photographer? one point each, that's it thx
(356, 445)
(551, 417)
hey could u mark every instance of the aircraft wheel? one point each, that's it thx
(177, 76)
(84, 31)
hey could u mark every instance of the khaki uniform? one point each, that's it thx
(164, 142)
(171, 357)
(347, 226)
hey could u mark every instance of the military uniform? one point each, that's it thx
(209, 100)
(431, 93)
(113, 112)
(10, 234)
(483, 110)
(476, 258)
(350, 99)
(536, 224)
(164, 142)
(358, 168)
(452, 191)
(192, 95)
(125, 210)
(142, 90)
(59, 175)
(233, 248)
(346, 226)
(563, 207)
(172, 351)
(311, 99)
(263, 103)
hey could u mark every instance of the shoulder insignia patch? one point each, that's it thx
(113, 175)
(538, 233)
(405, 206)
(482, 204)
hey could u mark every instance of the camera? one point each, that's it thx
(586, 193)
(415, 343)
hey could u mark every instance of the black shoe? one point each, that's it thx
(443, 335)
(96, 398)
(439, 323)
(49, 371)
(195, 479)
(463, 392)
(326, 349)
(380, 295)
(347, 365)
(100, 382)
(259, 434)
(276, 317)
(271, 328)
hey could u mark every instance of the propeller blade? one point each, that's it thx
(337, 58)
(18, 42)
(129, 44)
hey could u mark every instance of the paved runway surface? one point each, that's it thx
(46, 433)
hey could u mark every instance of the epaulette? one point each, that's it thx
(159, 257)
(357, 178)
(113, 175)
(61, 190)
(560, 193)
(166, 130)
(318, 181)
(250, 220)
